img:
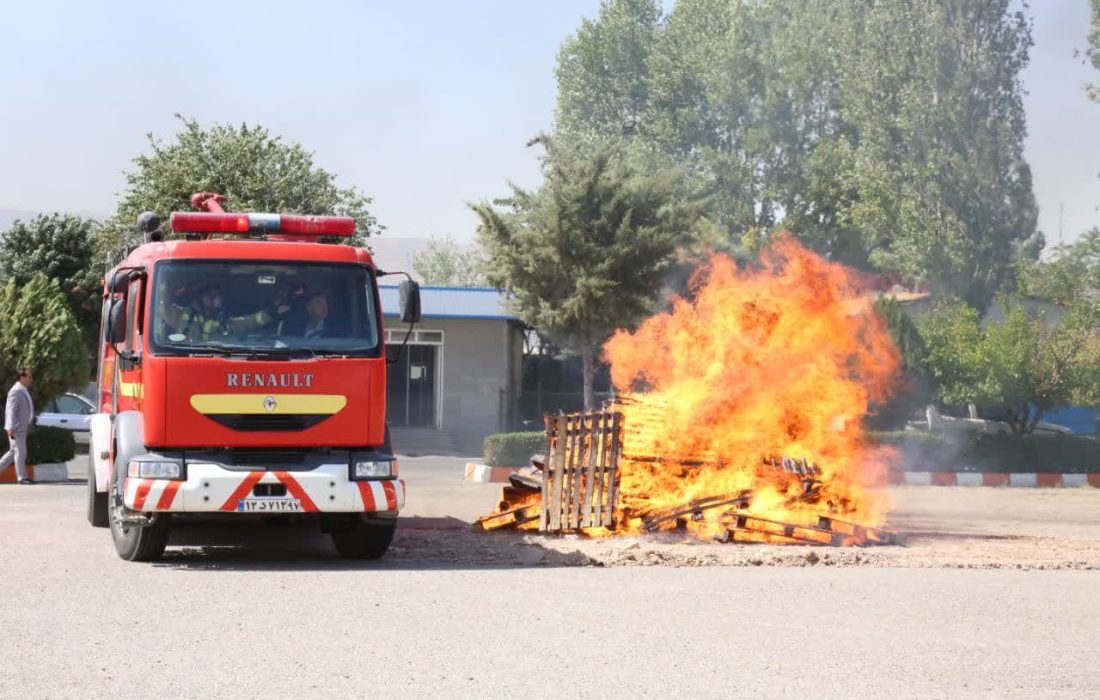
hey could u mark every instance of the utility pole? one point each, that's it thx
(1061, 221)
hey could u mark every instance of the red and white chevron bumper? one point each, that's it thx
(211, 489)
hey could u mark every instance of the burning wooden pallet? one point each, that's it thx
(575, 487)
(581, 474)
(575, 483)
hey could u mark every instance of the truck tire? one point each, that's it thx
(363, 539)
(97, 502)
(134, 542)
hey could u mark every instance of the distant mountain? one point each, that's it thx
(9, 216)
(395, 252)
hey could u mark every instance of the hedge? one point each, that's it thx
(513, 449)
(45, 445)
(920, 451)
(994, 452)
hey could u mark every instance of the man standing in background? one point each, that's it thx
(18, 416)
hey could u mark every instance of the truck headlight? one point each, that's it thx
(375, 469)
(154, 469)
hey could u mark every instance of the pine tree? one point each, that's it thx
(585, 254)
(37, 330)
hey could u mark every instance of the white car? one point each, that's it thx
(71, 412)
(936, 422)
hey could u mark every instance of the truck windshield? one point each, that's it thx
(255, 306)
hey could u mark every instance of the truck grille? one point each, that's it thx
(263, 457)
(254, 423)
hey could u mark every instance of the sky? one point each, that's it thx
(423, 105)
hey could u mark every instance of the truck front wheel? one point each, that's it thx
(359, 538)
(137, 542)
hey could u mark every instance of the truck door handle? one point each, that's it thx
(64, 420)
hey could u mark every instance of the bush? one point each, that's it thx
(45, 445)
(513, 449)
(38, 330)
(985, 452)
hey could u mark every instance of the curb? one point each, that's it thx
(1021, 480)
(43, 473)
(484, 474)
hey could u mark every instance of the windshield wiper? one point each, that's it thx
(318, 354)
(333, 352)
(208, 348)
(251, 352)
(194, 350)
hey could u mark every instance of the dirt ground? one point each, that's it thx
(948, 527)
(940, 527)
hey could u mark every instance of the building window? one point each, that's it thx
(397, 336)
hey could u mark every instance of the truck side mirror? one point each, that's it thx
(120, 280)
(116, 321)
(408, 293)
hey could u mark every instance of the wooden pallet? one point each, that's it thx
(745, 527)
(581, 476)
(507, 519)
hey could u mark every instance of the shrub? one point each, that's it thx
(45, 445)
(1002, 452)
(38, 330)
(513, 449)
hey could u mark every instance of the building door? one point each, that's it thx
(411, 387)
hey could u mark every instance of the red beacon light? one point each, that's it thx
(292, 226)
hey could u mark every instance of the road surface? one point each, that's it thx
(271, 612)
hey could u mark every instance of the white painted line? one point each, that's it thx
(479, 473)
(51, 472)
(1028, 480)
(918, 478)
(968, 478)
(1074, 480)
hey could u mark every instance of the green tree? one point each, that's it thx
(1022, 365)
(585, 253)
(932, 90)
(38, 330)
(445, 263)
(954, 347)
(916, 388)
(602, 71)
(1093, 51)
(887, 135)
(746, 95)
(61, 247)
(1070, 276)
(253, 169)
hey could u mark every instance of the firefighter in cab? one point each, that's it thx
(205, 318)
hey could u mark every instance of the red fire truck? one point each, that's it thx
(242, 372)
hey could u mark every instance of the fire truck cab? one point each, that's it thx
(242, 373)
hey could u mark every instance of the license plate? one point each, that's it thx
(269, 505)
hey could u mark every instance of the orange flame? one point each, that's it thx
(781, 359)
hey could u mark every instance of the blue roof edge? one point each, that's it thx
(448, 289)
(470, 317)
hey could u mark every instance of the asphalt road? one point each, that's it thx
(271, 612)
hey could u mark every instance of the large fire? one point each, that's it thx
(740, 416)
(778, 359)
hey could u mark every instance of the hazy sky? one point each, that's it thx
(422, 105)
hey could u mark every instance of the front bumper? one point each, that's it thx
(210, 488)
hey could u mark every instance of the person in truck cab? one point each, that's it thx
(308, 316)
(206, 318)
